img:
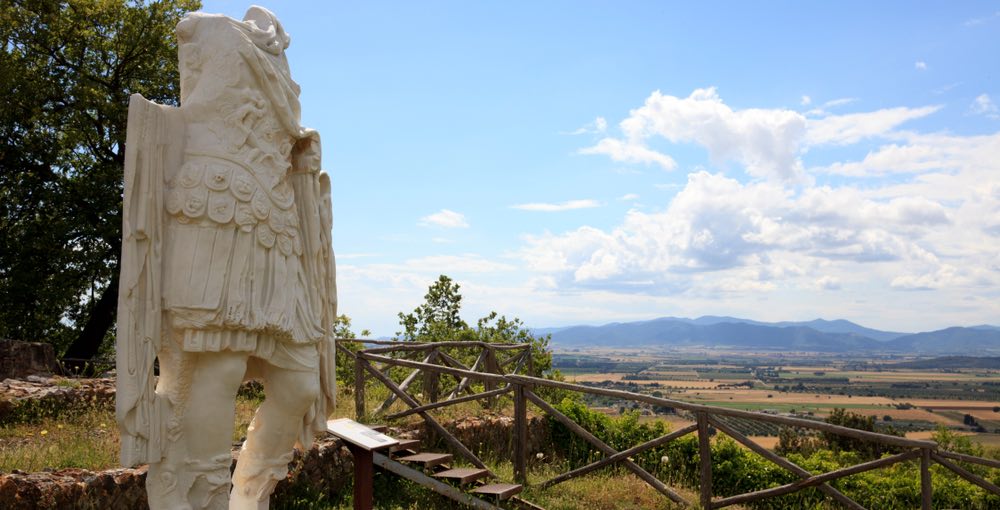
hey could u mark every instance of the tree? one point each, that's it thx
(67, 70)
(345, 364)
(438, 319)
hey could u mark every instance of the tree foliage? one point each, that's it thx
(438, 319)
(67, 70)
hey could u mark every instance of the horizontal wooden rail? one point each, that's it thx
(411, 346)
(969, 458)
(482, 376)
(721, 411)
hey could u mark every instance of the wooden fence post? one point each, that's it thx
(431, 380)
(530, 363)
(359, 388)
(705, 459)
(520, 436)
(490, 366)
(926, 491)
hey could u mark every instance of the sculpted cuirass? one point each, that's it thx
(234, 272)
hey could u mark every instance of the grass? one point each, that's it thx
(88, 440)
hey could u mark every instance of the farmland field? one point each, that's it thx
(966, 401)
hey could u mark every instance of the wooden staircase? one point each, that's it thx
(468, 485)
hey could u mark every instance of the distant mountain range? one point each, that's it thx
(836, 336)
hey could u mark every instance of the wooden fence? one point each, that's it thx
(489, 369)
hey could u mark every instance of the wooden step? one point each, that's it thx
(427, 459)
(406, 444)
(500, 490)
(463, 475)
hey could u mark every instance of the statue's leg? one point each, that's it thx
(207, 426)
(271, 437)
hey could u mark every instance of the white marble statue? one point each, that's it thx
(227, 271)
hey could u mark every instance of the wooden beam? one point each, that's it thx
(405, 384)
(662, 440)
(433, 368)
(704, 462)
(464, 381)
(450, 439)
(969, 458)
(926, 489)
(968, 475)
(520, 436)
(816, 480)
(414, 346)
(446, 403)
(359, 388)
(604, 448)
(437, 486)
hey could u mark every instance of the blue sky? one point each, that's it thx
(588, 162)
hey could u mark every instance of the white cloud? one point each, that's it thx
(983, 105)
(920, 65)
(599, 125)
(625, 152)
(927, 155)
(806, 101)
(853, 127)
(716, 229)
(629, 196)
(982, 20)
(833, 103)
(828, 283)
(764, 141)
(563, 206)
(444, 218)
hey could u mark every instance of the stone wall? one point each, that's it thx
(21, 359)
(326, 468)
(52, 396)
(491, 437)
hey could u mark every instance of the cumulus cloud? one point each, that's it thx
(920, 65)
(719, 226)
(767, 143)
(629, 196)
(983, 105)
(764, 141)
(562, 206)
(806, 101)
(444, 218)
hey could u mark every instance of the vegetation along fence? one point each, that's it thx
(507, 368)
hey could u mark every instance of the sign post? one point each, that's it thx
(362, 441)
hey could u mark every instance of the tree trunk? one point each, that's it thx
(88, 344)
